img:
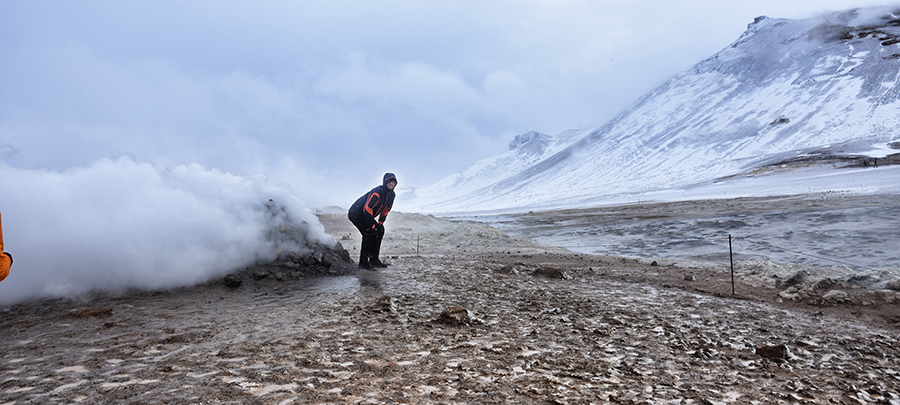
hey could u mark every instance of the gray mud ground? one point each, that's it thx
(539, 325)
(860, 233)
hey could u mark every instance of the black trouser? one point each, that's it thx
(371, 241)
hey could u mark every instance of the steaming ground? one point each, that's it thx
(523, 323)
(120, 224)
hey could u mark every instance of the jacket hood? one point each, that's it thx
(388, 177)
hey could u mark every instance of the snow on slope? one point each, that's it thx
(524, 151)
(786, 88)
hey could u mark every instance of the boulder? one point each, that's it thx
(776, 352)
(309, 260)
(342, 253)
(232, 281)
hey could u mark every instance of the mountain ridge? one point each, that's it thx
(827, 85)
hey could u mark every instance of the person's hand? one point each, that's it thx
(380, 227)
(372, 232)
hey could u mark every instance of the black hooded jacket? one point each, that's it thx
(374, 204)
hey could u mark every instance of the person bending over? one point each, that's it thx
(368, 214)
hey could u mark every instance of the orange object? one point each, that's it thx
(5, 261)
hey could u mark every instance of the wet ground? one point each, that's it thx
(476, 317)
(828, 229)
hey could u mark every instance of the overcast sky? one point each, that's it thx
(325, 96)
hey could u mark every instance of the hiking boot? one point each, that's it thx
(377, 263)
(366, 266)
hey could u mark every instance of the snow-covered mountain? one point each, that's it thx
(525, 151)
(817, 88)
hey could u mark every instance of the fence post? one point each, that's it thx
(731, 256)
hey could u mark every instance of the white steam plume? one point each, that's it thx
(121, 224)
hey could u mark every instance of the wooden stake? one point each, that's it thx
(731, 256)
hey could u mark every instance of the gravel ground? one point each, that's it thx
(475, 317)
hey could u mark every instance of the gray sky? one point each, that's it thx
(326, 96)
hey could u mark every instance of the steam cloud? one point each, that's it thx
(120, 224)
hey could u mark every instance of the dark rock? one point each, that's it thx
(799, 278)
(289, 265)
(654, 263)
(779, 121)
(232, 281)
(825, 283)
(327, 261)
(342, 253)
(454, 316)
(776, 352)
(551, 272)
